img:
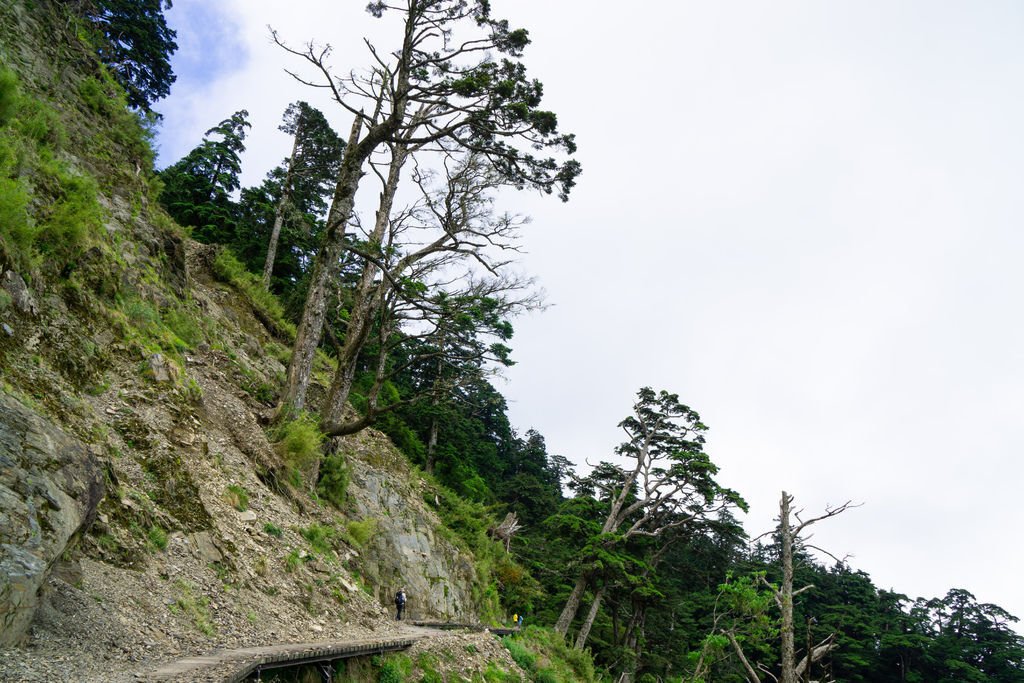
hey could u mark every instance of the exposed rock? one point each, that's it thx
(19, 292)
(205, 547)
(162, 369)
(50, 485)
(406, 550)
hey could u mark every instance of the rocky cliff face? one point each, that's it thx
(409, 549)
(50, 487)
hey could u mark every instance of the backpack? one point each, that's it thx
(399, 598)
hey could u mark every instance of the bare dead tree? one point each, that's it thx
(441, 88)
(508, 528)
(447, 247)
(790, 537)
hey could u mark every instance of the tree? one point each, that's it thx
(136, 44)
(430, 267)
(968, 641)
(312, 166)
(790, 535)
(197, 188)
(670, 484)
(435, 89)
(791, 543)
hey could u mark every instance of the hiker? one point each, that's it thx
(520, 623)
(400, 603)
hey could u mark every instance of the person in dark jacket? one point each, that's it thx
(400, 603)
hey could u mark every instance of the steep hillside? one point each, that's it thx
(147, 507)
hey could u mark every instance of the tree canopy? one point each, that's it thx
(136, 44)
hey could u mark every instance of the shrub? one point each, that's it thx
(333, 479)
(273, 530)
(546, 676)
(299, 441)
(362, 532)
(320, 537)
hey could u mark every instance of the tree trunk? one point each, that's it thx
(367, 302)
(311, 326)
(435, 401)
(572, 605)
(786, 593)
(432, 446)
(581, 637)
(634, 641)
(286, 197)
(752, 676)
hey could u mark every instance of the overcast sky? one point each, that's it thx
(805, 218)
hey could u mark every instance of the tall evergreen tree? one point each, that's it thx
(197, 188)
(669, 483)
(136, 45)
(310, 172)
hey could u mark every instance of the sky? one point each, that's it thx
(802, 217)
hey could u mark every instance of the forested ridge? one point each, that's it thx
(399, 321)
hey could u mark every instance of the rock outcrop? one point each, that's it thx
(50, 486)
(407, 549)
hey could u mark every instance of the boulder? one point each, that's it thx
(50, 487)
(162, 369)
(19, 292)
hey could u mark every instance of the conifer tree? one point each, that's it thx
(197, 188)
(311, 169)
(136, 45)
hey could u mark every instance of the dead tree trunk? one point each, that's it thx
(785, 593)
(282, 204)
(790, 536)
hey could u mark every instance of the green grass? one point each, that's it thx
(229, 269)
(392, 668)
(49, 212)
(299, 442)
(195, 607)
(10, 95)
(157, 537)
(292, 561)
(320, 538)
(237, 497)
(546, 658)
